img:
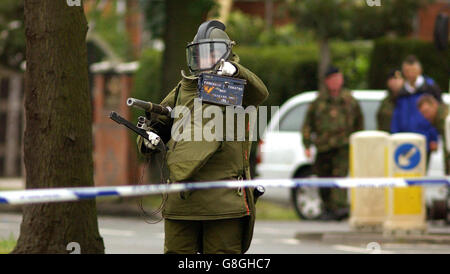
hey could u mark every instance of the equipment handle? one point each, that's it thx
(149, 106)
(122, 121)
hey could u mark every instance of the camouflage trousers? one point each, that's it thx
(333, 163)
(446, 161)
(205, 237)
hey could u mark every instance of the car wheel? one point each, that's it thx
(306, 200)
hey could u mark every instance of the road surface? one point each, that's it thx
(133, 235)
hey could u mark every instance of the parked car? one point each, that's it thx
(281, 153)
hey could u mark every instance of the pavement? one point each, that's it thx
(438, 233)
(12, 183)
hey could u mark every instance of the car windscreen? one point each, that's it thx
(369, 109)
(294, 118)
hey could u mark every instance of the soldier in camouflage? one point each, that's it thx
(436, 113)
(329, 122)
(384, 114)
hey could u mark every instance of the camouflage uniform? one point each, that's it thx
(384, 113)
(328, 125)
(439, 124)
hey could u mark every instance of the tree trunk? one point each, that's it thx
(58, 134)
(324, 61)
(269, 13)
(223, 10)
(133, 21)
(182, 22)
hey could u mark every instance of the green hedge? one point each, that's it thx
(389, 53)
(147, 80)
(289, 70)
(286, 70)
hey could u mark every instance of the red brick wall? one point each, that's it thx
(254, 7)
(258, 8)
(114, 154)
(427, 17)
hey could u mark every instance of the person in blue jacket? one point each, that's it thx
(406, 116)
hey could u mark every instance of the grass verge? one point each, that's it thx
(266, 210)
(7, 245)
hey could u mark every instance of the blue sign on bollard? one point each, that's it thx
(407, 156)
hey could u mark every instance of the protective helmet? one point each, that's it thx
(211, 44)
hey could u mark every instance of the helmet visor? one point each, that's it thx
(206, 55)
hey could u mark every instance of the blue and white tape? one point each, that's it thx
(74, 194)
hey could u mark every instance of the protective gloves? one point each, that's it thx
(153, 137)
(226, 69)
(154, 140)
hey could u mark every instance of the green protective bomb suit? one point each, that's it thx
(197, 161)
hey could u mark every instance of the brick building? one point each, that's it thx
(265, 9)
(427, 16)
(115, 159)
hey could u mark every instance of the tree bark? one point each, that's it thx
(324, 61)
(134, 27)
(268, 13)
(223, 9)
(182, 22)
(58, 134)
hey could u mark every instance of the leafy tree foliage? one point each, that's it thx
(351, 19)
(12, 34)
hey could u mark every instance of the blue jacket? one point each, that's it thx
(407, 118)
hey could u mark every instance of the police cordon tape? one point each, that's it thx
(81, 193)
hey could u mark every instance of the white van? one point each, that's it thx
(281, 152)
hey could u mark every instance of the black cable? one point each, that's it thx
(150, 218)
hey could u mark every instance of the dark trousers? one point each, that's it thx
(333, 163)
(206, 237)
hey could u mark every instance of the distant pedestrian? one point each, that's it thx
(394, 84)
(329, 122)
(406, 116)
(416, 82)
(436, 114)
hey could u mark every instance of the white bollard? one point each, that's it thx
(406, 210)
(368, 156)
